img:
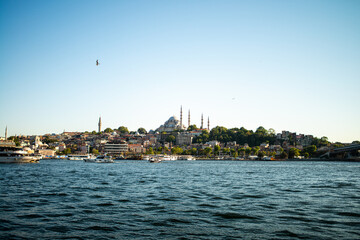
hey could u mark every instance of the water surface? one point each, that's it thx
(61, 199)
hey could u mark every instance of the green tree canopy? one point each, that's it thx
(192, 127)
(176, 150)
(217, 149)
(142, 131)
(294, 152)
(123, 130)
(149, 151)
(170, 139)
(193, 151)
(108, 130)
(207, 151)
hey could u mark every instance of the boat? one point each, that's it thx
(79, 157)
(13, 154)
(155, 159)
(100, 159)
(186, 157)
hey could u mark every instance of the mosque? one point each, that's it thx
(174, 124)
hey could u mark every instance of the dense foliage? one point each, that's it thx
(240, 135)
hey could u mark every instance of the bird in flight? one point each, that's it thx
(97, 62)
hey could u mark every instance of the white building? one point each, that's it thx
(115, 148)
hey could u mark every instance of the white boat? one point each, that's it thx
(155, 159)
(186, 157)
(100, 159)
(12, 154)
(79, 157)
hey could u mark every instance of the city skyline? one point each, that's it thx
(278, 64)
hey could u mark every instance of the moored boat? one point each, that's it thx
(155, 159)
(13, 154)
(79, 157)
(100, 159)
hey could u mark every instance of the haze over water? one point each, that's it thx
(61, 199)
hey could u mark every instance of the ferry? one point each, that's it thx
(100, 159)
(79, 157)
(13, 154)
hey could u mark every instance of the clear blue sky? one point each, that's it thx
(287, 65)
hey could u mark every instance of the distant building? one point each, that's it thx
(171, 125)
(264, 146)
(115, 148)
(136, 148)
(47, 152)
(184, 139)
(212, 143)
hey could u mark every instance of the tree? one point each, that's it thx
(271, 132)
(217, 149)
(226, 150)
(108, 130)
(67, 151)
(193, 151)
(241, 151)
(284, 155)
(170, 139)
(207, 151)
(192, 127)
(311, 150)
(233, 152)
(294, 152)
(248, 151)
(261, 131)
(95, 151)
(15, 139)
(255, 150)
(123, 130)
(142, 131)
(261, 154)
(150, 151)
(176, 150)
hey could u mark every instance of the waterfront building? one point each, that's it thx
(46, 152)
(115, 148)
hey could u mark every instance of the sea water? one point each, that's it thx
(62, 199)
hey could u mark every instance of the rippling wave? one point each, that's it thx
(60, 199)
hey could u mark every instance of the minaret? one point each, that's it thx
(202, 121)
(6, 133)
(181, 117)
(209, 123)
(189, 119)
(99, 124)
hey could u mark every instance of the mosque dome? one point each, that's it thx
(170, 125)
